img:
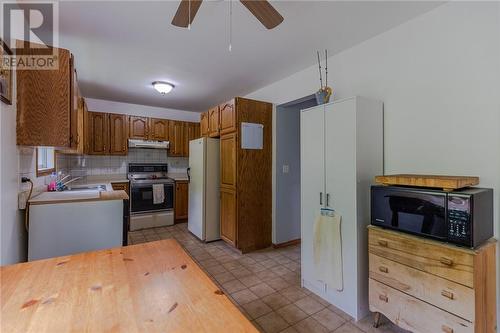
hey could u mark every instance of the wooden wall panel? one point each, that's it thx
(254, 184)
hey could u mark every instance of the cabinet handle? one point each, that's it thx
(446, 329)
(321, 198)
(446, 261)
(447, 294)
(383, 298)
(383, 269)
(383, 243)
(328, 199)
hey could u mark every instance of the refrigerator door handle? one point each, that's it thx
(189, 174)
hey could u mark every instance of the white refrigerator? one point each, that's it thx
(203, 207)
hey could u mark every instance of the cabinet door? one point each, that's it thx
(98, 133)
(138, 127)
(227, 117)
(118, 144)
(204, 124)
(191, 132)
(213, 122)
(228, 145)
(176, 138)
(312, 189)
(228, 216)
(75, 96)
(181, 200)
(340, 158)
(159, 129)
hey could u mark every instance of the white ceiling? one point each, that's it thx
(120, 47)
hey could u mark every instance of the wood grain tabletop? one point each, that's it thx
(150, 287)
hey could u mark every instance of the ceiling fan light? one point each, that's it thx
(163, 87)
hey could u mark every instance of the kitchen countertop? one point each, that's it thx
(134, 288)
(178, 176)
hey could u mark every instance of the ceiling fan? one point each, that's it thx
(261, 9)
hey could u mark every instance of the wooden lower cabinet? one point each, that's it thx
(181, 200)
(427, 286)
(228, 217)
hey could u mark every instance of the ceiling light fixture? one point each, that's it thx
(163, 87)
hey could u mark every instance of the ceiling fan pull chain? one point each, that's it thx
(230, 25)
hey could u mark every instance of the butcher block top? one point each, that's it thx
(150, 287)
(448, 183)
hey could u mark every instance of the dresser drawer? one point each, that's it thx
(447, 295)
(413, 314)
(449, 262)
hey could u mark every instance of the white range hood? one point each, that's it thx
(134, 143)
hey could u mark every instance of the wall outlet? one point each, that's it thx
(286, 168)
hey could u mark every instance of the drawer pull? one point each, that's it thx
(446, 261)
(446, 329)
(383, 269)
(383, 298)
(382, 242)
(447, 294)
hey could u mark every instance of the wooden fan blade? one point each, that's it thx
(181, 18)
(264, 12)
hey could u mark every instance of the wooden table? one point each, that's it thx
(153, 287)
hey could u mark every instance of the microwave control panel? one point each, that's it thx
(459, 218)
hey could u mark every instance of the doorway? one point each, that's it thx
(287, 209)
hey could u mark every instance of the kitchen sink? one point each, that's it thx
(86, 188)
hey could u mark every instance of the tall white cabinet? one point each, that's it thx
(341, 152)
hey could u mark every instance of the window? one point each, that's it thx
(45, 161)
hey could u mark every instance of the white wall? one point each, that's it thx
(439, 77)
(100, 105)
(13, 238)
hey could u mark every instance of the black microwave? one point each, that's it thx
(463, 217)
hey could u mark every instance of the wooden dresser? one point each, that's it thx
(427, 286)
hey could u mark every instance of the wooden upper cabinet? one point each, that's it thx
(213, 122)
(176, 138)
(44, 104)
(191, 132)
(159, 129)
(228, 216)
(97, 133)
(227, 117)
(138, 127)
(75, 96)
(204, 124)
(118, 134)
(228, 146)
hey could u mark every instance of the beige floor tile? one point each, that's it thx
(250, 280)
(276, 301)
(233, 286)
(224, 277)
(208, 262)
(278, 283)
(268, 263)
(230, 265)
(217, 269)
(280, 270)
(262, 289)
(341, 313)
(309, 305)
(310, 325)
(386, 326)
(272, 323)
(293, 293)
(267, 275)
(329, 319)
(239, 273)
(244, 296)
(256, 308)
(290, 329)
(348, 328)
(291, 313)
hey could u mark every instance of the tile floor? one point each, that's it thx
(264, 285)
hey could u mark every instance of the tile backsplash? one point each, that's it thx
(90, 165)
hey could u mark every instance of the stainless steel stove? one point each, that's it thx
(142, 177)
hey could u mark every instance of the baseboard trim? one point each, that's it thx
(289, 243)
